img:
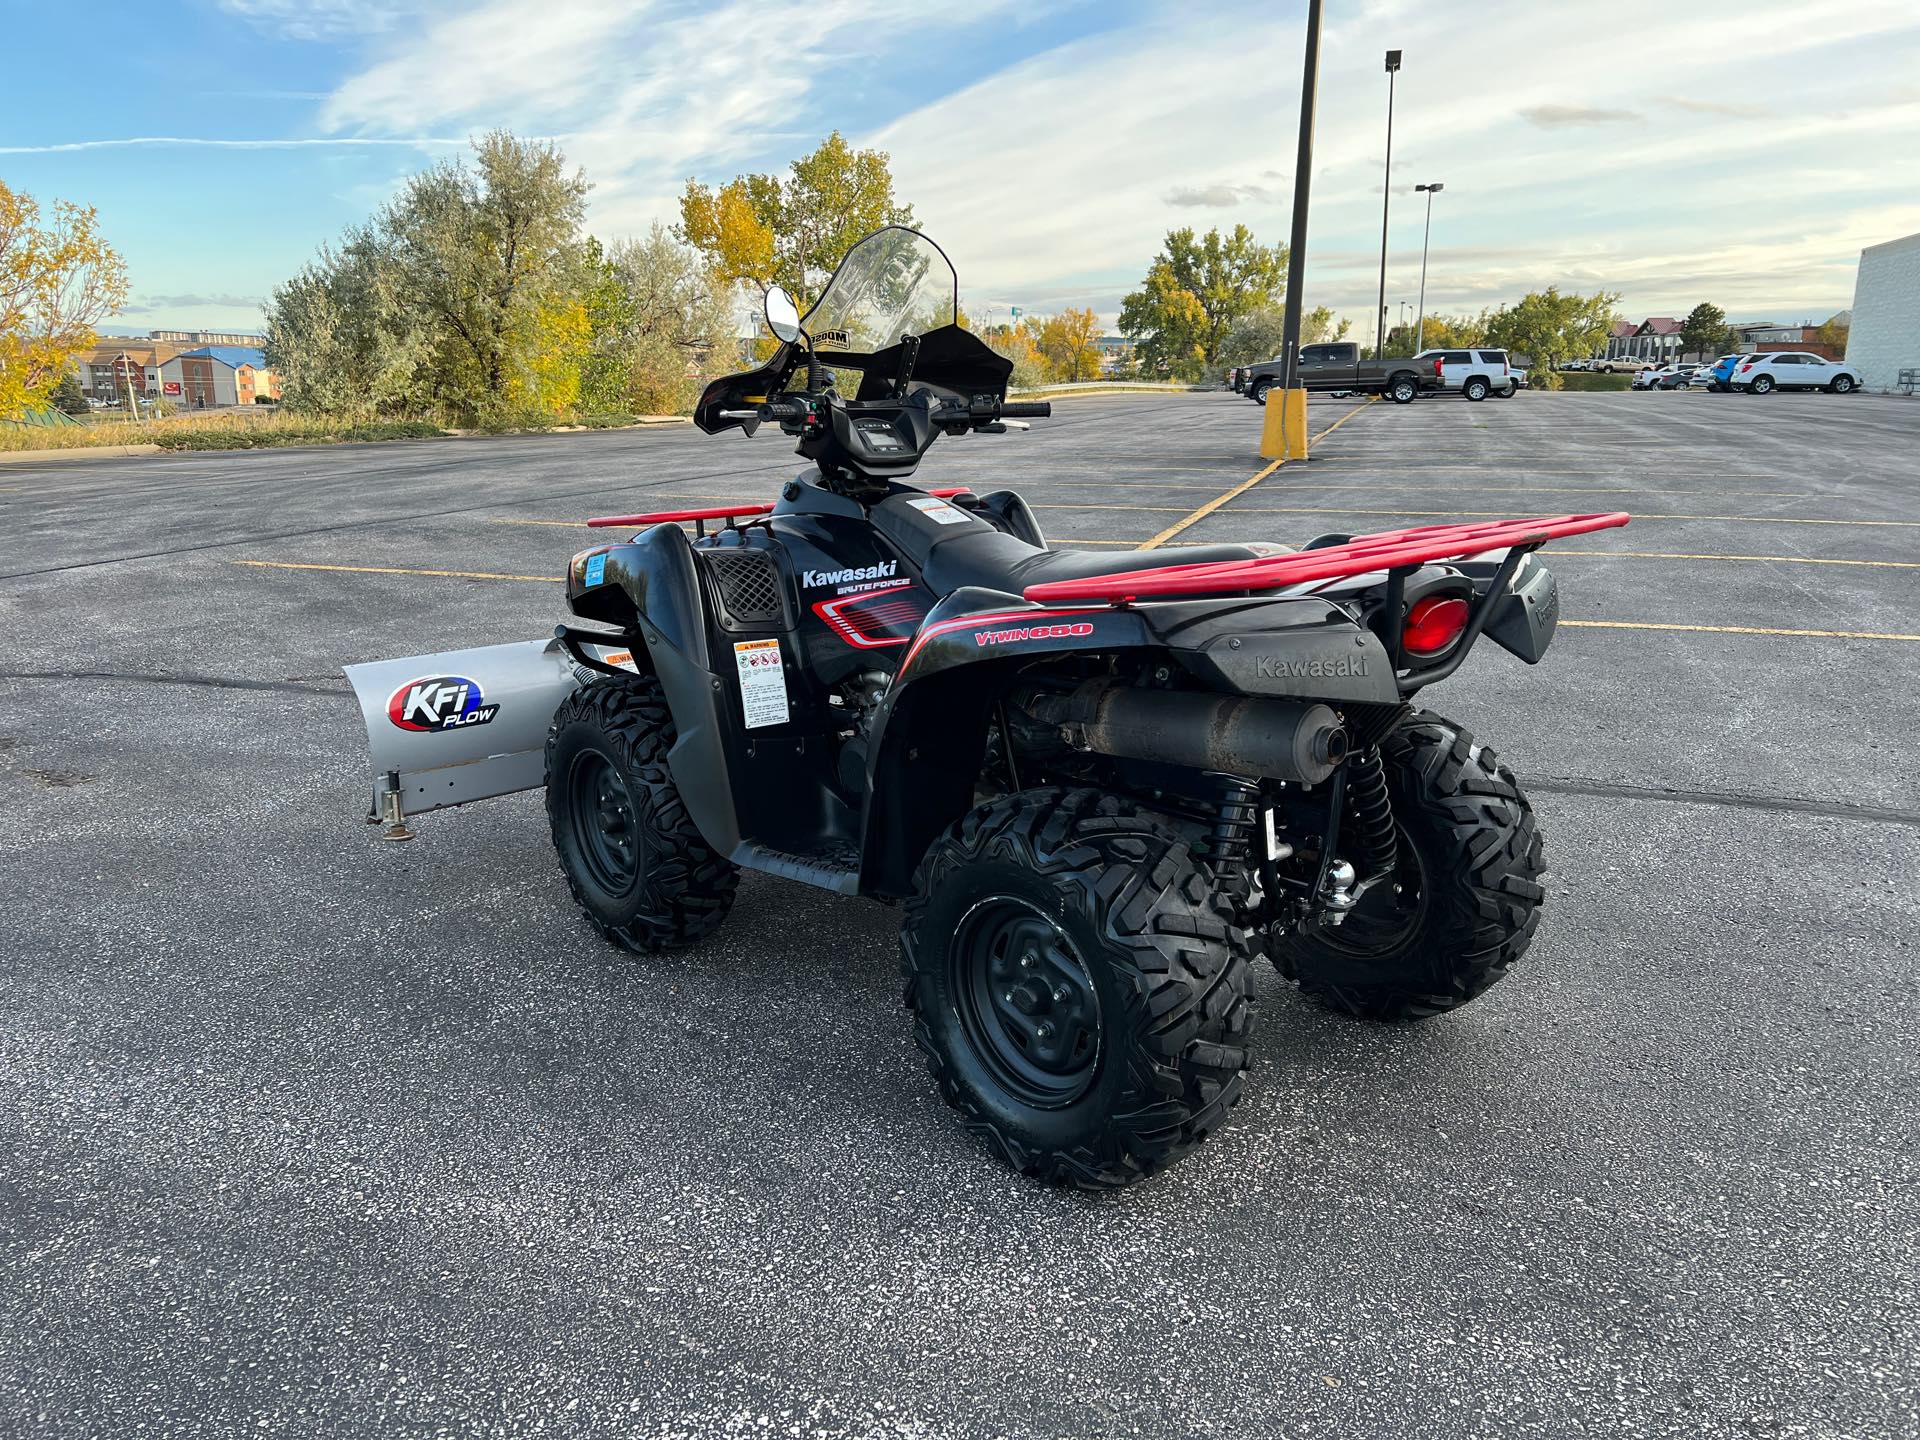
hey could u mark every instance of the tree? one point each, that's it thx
(345, 336)
(1704, 331)
(489, 252)
(1835, 331)
(68, 397)
(1069, 344)
(1194, 293)
(1547, 327)
(665, 326)
(757, 230)
(58, 279)
(1017, 343)
(1260, 334)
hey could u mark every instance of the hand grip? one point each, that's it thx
(1026, 410)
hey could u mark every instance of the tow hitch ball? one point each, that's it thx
(1337, 896)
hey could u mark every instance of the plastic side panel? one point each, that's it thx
(462, 725)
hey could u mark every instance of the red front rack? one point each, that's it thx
(1388, 550)
(661, 517)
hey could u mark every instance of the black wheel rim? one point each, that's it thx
(1026, 1002)
(605, 828)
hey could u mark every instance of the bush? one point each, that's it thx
(1581, 380)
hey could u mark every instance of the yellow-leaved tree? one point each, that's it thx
(1069, 342)
(58, 279)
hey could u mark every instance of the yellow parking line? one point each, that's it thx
(1196, 516)
(396, 570)
(1758, 559)
(1736, 630)
(1192, 518)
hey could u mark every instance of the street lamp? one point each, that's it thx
(1432, 190)
(1386, 201)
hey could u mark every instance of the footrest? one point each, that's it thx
(837, 869)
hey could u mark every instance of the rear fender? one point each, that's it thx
(930, 730)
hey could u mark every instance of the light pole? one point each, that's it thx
(1432, 190)
(1284, 435)
(1386, 202)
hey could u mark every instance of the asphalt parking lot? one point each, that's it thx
(306, 1135)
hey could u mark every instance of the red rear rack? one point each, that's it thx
(1390, 549)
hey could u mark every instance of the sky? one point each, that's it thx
(1739, 153)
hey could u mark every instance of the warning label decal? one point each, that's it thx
(763, 682)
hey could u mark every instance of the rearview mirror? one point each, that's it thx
(783, 316)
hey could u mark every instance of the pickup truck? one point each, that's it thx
(1338, 366)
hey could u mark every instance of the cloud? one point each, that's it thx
(1220, 196)
(192, 302)
(417, 142)
(1715, 107)
(320, 19)
(1562, 117)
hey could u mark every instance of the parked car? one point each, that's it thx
(1338, 367)
(1792, 370)
(1234, 379)
(1516, 380)
(1651, 378)
(1621, 366)
(1475, 374)
(1576, 364)
(1713, 374)
(1678, 378)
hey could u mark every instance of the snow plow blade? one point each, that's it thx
(462, 725)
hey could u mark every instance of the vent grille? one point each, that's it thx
(749, 585)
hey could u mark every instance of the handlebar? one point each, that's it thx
(1027, 410)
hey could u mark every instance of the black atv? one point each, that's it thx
(1101, 784)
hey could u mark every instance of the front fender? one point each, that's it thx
(650, 586)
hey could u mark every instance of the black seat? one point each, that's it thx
(956, 555)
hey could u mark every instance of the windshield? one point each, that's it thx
(895, 282)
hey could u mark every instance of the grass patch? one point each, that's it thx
(235, 430)
(312, 432)
(1581, 380)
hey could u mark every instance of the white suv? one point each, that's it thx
(1475, 374)
(1792, 370)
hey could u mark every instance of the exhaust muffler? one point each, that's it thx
(1293, 740)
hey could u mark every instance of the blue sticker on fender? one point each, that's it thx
(596, 570)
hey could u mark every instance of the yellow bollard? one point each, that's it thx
(1283, 435)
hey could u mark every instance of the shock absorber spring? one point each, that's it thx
(1230, 842)
(1369, 816)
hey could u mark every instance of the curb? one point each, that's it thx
(75, 452)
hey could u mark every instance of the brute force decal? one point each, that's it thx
(440, 702)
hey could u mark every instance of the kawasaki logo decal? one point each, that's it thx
(1278, 667)
(814, 579)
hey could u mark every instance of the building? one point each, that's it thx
(218, 375)
(116, 362)
(1654, 341)
(1885, 338)
(186, 339)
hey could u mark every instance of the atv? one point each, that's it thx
(1100, 785)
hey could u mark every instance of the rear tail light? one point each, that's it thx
(1433, 625)
(1438, 363)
